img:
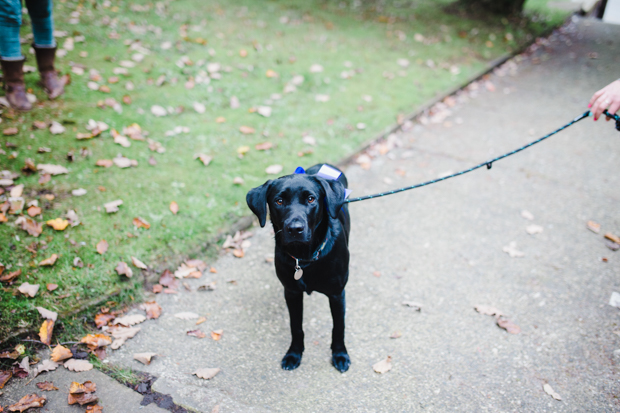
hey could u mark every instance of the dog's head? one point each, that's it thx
(298, 204)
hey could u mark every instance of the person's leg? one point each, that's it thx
(11, 58)
(10, 22)
(40, 12)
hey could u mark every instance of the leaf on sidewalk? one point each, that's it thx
(186, 315)
(78, 365)
(96, 340)
(46, 386)
(129, 320)
(27, 402)
(196, 333)
(207, 374)
(144, 358)
(593, 226)
(508, 325)
(217, 334)
(383, 366)
(549, 390)
(5, 376)
(511, 250)
(488, 310)
(46, 365)
(122, 334)
(153, 310)
(60, 353)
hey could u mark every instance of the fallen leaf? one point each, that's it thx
(199, 321)
(383, 366)
(141, 223)
(196, 333)
(129, 320)
(60, 353)
(103, 319)
(10, 277)
(5, 376)
(46, 386)
(157, 288)
(94, 408)
(153, 310)
(106, 163)
(27, 402)
(96, 340)
(46, 331)
(217, 334)
(174, 207)
(511, 250)
(527, 215)
(488, 310)
(167, 279)
(207, 287)
(199, 107)
(112, 206)
(10, 131)
(17, 191)
(264, 111)
(186, 315)
(31, 226)
(52, 169)
(207, 374)
(56, 128)
(29, 289)
(48, 262)
(78, 365)
(158, 110)
(34, 211)
(144, 358)
(79, 388)
(82, 399)
(271, 73)
(123, 162)
(549, 390)
(593, 226)
(263, 146)
(396, 334)
(273, 169)
(246, 130)
(205, 159)
(238, 252)
(220, 119)
(51, 287)
(46, 365)
(122, 334)
(534, 229)
(123, 269)
(102, 246)
(508, 325)
(58, 224)
(612, 237)
(139, 264)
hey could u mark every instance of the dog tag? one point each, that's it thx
(298, 271)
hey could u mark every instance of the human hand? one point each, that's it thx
(606, 98)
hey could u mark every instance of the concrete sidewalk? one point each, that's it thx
(440, 246)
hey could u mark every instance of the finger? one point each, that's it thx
(599, 106)
(595, 97)
(614, 107)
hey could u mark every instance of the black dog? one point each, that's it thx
(311, 224)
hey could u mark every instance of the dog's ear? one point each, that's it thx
(257, 201)
(334, 196)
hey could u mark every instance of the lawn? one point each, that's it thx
(331, 75)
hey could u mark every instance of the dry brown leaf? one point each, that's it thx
(207, 374)
(29, 289)
(186, 315)
(34, 211)
(594, 226)
(78, 365)
(123, 269)
(200, 265)
(94, 408)
(201, 320)
(174, 207)
(205, 159)
(196, 333)
(32, 227)
(102, 319)
(613, 237)
(106, 163)
(112, 206)
(153, 310)
(46, 331)
(10, 131)
(157, 288)
(207, 287)
(122, 334)
(220, 119)
(60, 353)
(102, 246)
(488, 310)
(5, 376)
(141, 223)
(10, 277)
(46, 365)
(129, 320)
(139, 264)
(82, 399)
(396, 334)
(217, 334)
(52, 169)
(48, 262)
(58, 224)
(383, 366)
(96, 340)
(46, 386)
(549, 390)
(246, 130)
(27, 402)
(263, 146)
(79, 388)
(144, 358)
(51, 287)
(238, 252)
(508, 325)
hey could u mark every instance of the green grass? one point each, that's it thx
(328, 33)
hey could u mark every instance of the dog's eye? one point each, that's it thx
(279, 201)
(311, 199)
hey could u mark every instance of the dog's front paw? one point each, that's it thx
(341, 361)
(291, 360)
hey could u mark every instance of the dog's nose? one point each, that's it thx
(295, 228)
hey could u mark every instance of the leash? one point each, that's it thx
(488, 163)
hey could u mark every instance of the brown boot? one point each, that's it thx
(13, 73)
(53, 85)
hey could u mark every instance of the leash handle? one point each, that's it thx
(614, 117)
(488, 164)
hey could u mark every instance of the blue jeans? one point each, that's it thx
(40, 12)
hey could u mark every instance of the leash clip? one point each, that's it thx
(489, 165)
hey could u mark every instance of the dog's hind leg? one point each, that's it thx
(295, 304)
(340, 357)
